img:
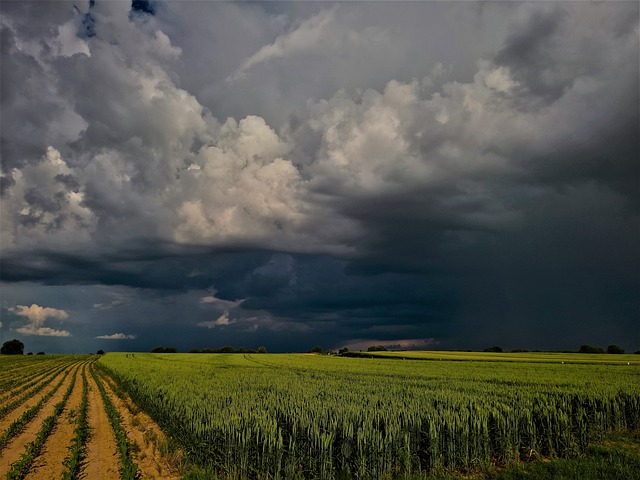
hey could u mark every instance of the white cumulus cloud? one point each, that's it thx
(36, 315)
(117, 336)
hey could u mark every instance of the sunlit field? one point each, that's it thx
(308, 416)
(530, 357)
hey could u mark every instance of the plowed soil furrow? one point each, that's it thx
(146, 436)
(50, 463)
(102, 460)
(16, 446)
(17, 413)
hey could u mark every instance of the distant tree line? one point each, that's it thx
(164, 350)
(225, 349)
(228, 349)
(344, 351)
(585, 348)
(613, 349)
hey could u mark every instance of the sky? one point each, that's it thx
(422, 175)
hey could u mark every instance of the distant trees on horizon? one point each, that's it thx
(377, 348)
(611, 349)
(164, 350)
(225, 349)
(495, 348)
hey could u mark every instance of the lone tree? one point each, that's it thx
(262, 350)
(12, 347)
(586, 348)
(377, 348)
(493, 349)
(615, 349)
(164, 350)
(316, 349)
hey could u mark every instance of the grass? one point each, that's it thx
(600, 463)
(529, 357)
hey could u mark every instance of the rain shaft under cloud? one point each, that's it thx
(293, 174)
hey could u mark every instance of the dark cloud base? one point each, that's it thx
(291, 174)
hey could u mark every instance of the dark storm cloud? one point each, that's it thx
(300, 173)
(526, 53)
(143, 6)
(86, 21)
(27, 135)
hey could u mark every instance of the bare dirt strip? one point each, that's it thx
(16, 446)
(102, 460)
(147, 439)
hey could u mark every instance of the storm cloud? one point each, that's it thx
(413, 174)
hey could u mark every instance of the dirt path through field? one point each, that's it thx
(50, 463)
(103, 460)
(15, 448)
(147, 438)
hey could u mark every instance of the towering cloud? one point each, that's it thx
(307, 158)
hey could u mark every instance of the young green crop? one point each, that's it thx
(19, 424)
(18, 375)
(82, 433)
(20, 468)
(300, 416)
(21, 395)
(128, 469)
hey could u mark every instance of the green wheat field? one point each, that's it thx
(421, 415)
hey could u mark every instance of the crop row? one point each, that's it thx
(128, 469)
(81, 432)
(20, 468)
(17, 377)
(20, 423)
(63, 371)
(26, 392)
